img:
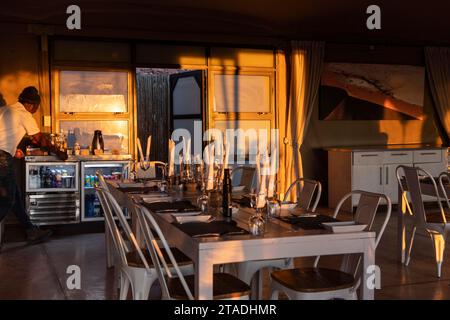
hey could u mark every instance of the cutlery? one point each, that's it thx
(206, 235)
(213, 234)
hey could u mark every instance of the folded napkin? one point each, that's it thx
(170, 207)
(142, 189)
(309, 222)
(214, 227)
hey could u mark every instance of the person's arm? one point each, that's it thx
(40, 140)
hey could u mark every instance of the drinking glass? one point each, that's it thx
(256, 224)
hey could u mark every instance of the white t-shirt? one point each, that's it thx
(15, 121)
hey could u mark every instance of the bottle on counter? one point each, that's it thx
(76, 149)
(227, 206)
(71, 139)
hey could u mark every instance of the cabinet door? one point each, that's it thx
(434, 169)
(367, 178)
(390, 183)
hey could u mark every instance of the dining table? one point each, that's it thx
(279, 240)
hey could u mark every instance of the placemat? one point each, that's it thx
(170, 207)
(308, 223)
(138, 189)
(214, 227)
(243, 201)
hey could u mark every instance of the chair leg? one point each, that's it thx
(142, 283)
(439, 247)
(124, 286)
(411, 241)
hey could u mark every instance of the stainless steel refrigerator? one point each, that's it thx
(52, 191)
(111, 170)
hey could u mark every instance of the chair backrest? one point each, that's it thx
(305, 193)
(102, 181)
(112, 210)
(153, 171)
(444, 176)
(366, 211)
(247, 175)
(149, 225)
(111, 227)
(409, 183)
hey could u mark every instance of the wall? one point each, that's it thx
(322, 134)
(19, 58)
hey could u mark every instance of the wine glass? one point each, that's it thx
(253, 198)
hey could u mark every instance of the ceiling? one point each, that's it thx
(409, 23)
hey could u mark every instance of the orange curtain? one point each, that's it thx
(306, 62)
(438, 70)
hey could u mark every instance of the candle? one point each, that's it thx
(141, 154)
(171, 158)
(273, 168)
(258, 170)
(147, 153)
(187, 150)
(210, 164)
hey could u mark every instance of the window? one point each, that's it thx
(243, 99)
(89, 100)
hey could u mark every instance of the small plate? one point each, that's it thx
(190, 218)
(131, 185)
(238, 188)
(288, 205)
(344, 226)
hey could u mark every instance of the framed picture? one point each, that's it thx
(352, 91)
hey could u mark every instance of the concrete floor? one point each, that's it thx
(39, 271)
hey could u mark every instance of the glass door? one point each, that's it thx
(90, 205)
(51, 176)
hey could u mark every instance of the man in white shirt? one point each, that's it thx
(16, 120)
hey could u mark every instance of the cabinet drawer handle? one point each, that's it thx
(381, 175)
(428, 153)
(387, 175)
(399, 154)
(369, 155)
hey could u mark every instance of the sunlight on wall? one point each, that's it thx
(11, 85)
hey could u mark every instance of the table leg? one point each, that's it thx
(401, 231)
(367, 284)
(204, 278)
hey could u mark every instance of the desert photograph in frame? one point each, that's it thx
(355, 91)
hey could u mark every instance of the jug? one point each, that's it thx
(97, 143)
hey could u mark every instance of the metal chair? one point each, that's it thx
(247, 270)
(321, 283)
(246, 178)
(305, 193)
(174, 284)
(135, 266)
(434, 223)
(152, 172)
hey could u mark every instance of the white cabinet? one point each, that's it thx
(374, 170)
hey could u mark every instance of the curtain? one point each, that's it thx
(152, 90)
(438, 70)
(306, 69)
(44, 82)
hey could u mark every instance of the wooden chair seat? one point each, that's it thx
(134, 259)
(436, 216)
(313, 279)
(225, 286)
